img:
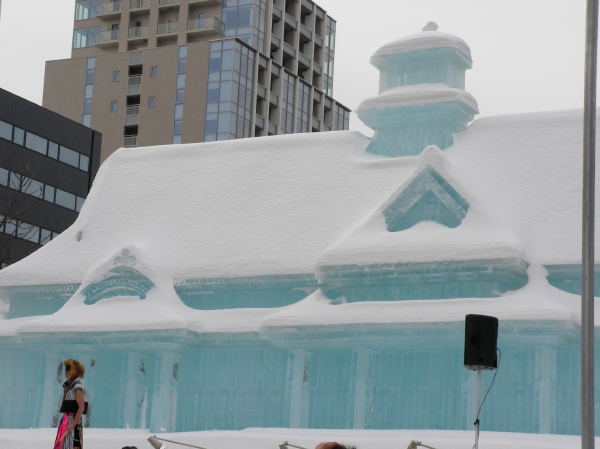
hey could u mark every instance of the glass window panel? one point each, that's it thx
(223, 136)
(214, 65)
(180, 81)
(181, 66)
(5, 130)
(11, 227)
(28, 232)
(89, 91)
(244, 2)
(235, 92)
(87, 106)
(178, 111)
(92, 38)
(210, 137)
(215, 46)
(226, 75)
(53, 150)
(228, 44)
(34, 188)
(82, 10)
(244, 16)
(223, 124)
(213, 76)
(55, 234)
(86, 120)
(19, 136)
(212, 107)
(225, 91)
(91, 63)
(151, 102)
(89, 77)
(177, 127)
(65, 199)
(176, 140)
(49, 193)
(224, 106)
(69, 156)
(15, 181)
(79, 203)
(212, 94)
(227, 60)
(116, 75)
(153, 72)
(45, 236)
(84, 162)
(36, 143)
(80, 38)
(228, 16)
(183, 51)
(211, 124)
(179, 96)
(3, 176)
(114, 106)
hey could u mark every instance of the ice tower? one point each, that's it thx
(421, 98)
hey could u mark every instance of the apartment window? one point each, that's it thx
(91, 63)
(69, 157)
(53, 150)
(180, 81)
(151, 101)
(181, 66)
(183, 49)
(6, 131)
(86, 120)
(36, 143)
(177, 127)
(179, 96)
(116, 76)
(153, 72)
(89, 77)
(86, 9)
(85, 37)
(65, 199)
(89, 91)
(176, 140)
(114, 105)
(19, 136)
(49, 193)
(87, 106)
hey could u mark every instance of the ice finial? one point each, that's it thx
(431, 26)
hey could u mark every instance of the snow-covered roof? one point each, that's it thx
(418, 95)
(422, 40)
(289, 204)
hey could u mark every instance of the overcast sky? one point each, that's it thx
(528, 55)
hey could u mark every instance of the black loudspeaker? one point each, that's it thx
(481, 338)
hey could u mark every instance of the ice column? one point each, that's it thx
(135, 393)
(546, 388)
(362, 389)
(298, 390)
(52, 392)
(164, 398)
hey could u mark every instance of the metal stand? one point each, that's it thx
(477, 407)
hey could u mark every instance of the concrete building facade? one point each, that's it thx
(47, 164)
(152, 72)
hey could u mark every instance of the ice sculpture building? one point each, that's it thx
(317, 281)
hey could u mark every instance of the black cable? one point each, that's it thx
(490, 387)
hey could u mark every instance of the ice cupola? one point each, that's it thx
(421, 98)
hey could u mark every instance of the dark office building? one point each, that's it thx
(47, 164)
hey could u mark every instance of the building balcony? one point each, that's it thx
(277, 14)
(204, 2)
(274, 99)
(167, 2)
(166, 28)
(291, 51)
(275, 42)
(137, 5)
(108, 10)
(138, 33)
(306, 32)
(259, 121)
(210, 25)
(132, 115)
(130, 141)
(107, 38)
(134, 85)
(272, 128)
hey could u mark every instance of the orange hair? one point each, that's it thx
(76, 369)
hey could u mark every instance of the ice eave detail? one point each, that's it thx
(418, 95)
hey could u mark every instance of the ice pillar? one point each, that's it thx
(164, 397)
(51, 395)
(361, 396)
(298, 390)
(545, 388)
(135, 393)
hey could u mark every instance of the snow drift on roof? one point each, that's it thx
(422, 41)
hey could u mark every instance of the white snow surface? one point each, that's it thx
(418, 95)
(292, 204)
(423, 40)
(308, 438)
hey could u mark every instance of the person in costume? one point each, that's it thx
(70, 429)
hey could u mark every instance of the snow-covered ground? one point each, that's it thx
(271, 438)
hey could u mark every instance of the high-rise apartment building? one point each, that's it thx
(152, 72)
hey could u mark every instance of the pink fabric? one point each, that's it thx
(62, 427)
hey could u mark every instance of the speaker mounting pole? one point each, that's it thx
(477, 408)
